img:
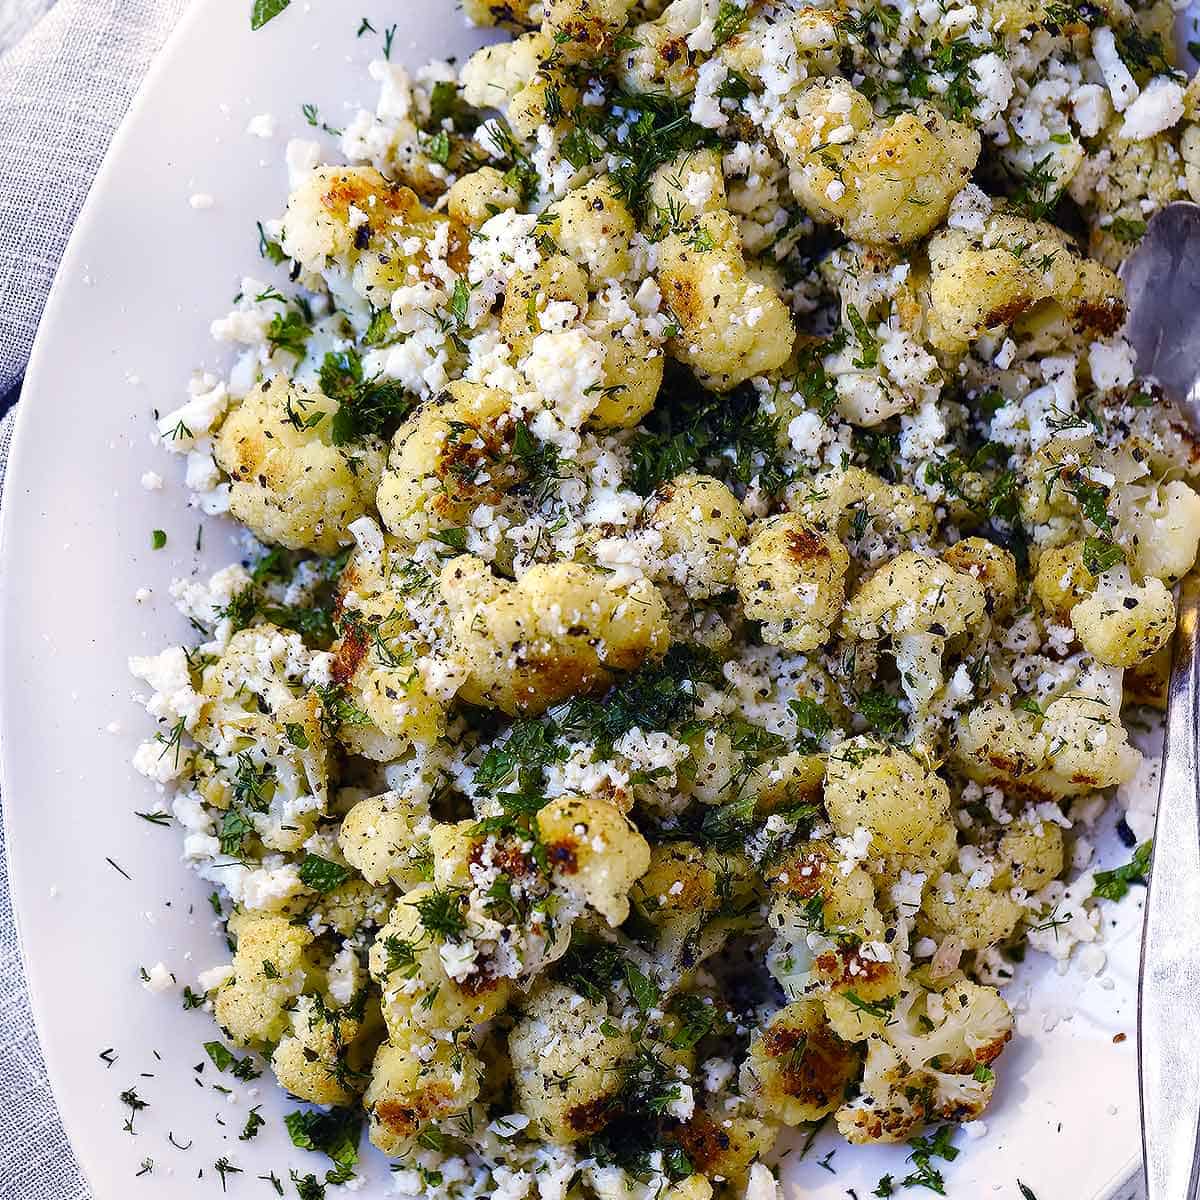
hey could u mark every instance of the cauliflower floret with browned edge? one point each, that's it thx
(702, 528)
(656, 58)
(891, 1101)
(681, 896)
(271, 967)
(956, 1030)
(1077, 745)
(568, 1063)
(888, 181)
(407, 962)
(1123, 623)
(792, 577)
(987, 281)
(797, 1068)
(288, 482)
(558, 631)
(585, 29)
(377, 233)
(594, 852)
(920, 603)
(886, 791)
(416, 1084)
(448, 458)
(730, 327)
(386, 838)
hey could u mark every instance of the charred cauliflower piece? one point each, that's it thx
(989, 280)
(730, 326)
(798, 1069)
(883, 181)
(560, 630)
(792, 578)
(289, 484)
(702, 528)
(568, 1063)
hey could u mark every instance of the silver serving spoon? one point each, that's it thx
(1162, 283)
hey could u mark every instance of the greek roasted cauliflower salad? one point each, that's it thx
(703, 526)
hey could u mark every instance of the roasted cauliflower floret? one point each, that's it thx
(975, 916)
(994, 568)
(1062, 580)
(1075, 746)
(702, 528)
(494, 74)
(376, 232)
(446, 459)
(594, 852)
(956, 1030)
(680, 896)
(585, 29)
(920, 603)
(657, 58)
(321, 1059)
(891, 1104)
(288, 482)
(875, 517)
(568, 1063)
(884, 181)
(798, 1069)
(982, 281)
(686, 187)
(558, 631)
(387, 838)
(1123, 624)
(886, 791)
(475, 198)
(415, 1085)
(1159, 527)
(270, 969)
(595, 227)
(792, 578)
(409, 960)
(730, 327)
(558, 279)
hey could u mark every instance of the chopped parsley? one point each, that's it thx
(322, 874)
(266, 10)
(366, 407)
(1115, 884)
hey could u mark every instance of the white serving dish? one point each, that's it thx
(128, 319)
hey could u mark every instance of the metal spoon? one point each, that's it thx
(1162, 284)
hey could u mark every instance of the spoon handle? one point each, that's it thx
(1169, 995)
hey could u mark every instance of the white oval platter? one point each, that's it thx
(100, 893)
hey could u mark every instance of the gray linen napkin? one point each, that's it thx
(64, 88)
